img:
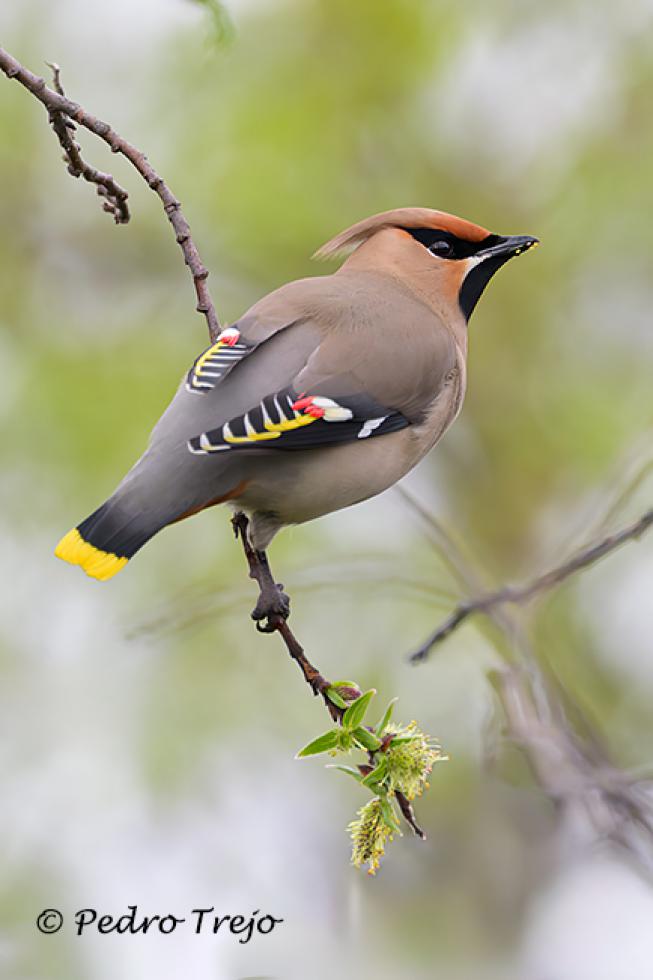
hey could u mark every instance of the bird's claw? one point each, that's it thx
(273, 607)
(272, 625)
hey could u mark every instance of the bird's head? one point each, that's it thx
(446, 259)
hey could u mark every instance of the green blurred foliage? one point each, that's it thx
(315, 114)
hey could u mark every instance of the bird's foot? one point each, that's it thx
(272, 608)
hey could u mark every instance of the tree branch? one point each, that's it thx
(276, 623)
(63, 113)
(279, 624)
(115, 196)
(569, 760)
(521, 594)
(311, 674)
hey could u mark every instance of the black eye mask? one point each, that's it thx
(448, 246)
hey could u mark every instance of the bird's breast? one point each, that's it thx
(443, 410)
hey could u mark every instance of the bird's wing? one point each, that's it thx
(289, 419)
(232, 345)
(349, 387)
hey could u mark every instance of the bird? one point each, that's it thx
(326, 392)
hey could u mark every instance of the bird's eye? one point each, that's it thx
(441, 248)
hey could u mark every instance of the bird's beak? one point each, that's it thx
(482, 266)
(506, 247)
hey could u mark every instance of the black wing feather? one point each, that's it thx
(275, 424)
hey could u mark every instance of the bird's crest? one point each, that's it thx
(351, 238)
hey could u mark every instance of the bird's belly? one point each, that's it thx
(300, 486)
(294, 487)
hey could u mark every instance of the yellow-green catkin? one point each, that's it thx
(369, 834)
(410, 763)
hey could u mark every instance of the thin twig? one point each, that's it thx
(277, 623)
(115, 196)
(521, 594)
(409, 816)
(312, 676)
(61, 109)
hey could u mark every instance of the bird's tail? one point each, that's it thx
(105, 541)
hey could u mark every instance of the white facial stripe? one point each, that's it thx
(473, 261)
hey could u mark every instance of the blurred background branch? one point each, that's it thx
(522, 594)
(223, 31)
(570, 762)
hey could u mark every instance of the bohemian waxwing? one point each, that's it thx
(326, 392)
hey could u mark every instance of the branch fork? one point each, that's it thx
(63, 114)
(525, 593)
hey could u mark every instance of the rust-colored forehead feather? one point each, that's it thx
(352, 237)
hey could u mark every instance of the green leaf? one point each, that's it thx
(335, 698)
(323, 743)
(350, 772)
(376, 777)
(355, 713)
(386, 718)
(344, 684)
(388, 814)
(345, 740)
(366, 739)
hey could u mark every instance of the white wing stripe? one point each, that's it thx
(369, 426)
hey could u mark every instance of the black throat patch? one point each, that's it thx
(445, 245)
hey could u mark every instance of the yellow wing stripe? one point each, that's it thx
(201, 361)
(289, 424)
(274, 429)
(254, 437)
(96, 563)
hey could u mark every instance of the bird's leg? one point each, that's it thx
(273, 605)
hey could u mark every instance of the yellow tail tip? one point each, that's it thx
(98, 564)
